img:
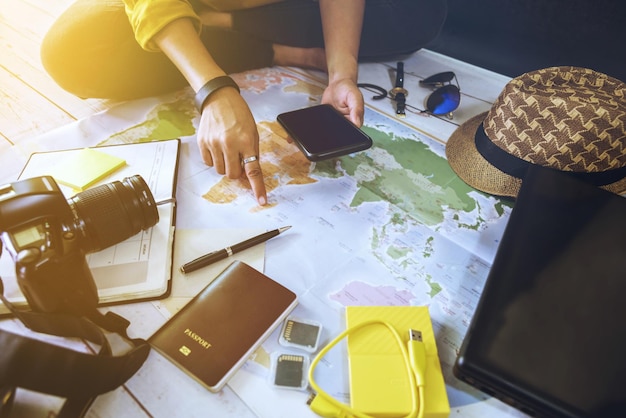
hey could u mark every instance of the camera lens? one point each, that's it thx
(110, 213)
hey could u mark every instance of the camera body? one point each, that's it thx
(48, 236)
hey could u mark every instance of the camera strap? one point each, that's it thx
(76, 376)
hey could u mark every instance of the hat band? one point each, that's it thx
(517, 167)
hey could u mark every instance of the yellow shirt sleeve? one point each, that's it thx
(148, 17)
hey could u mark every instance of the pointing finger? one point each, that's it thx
(252, 168)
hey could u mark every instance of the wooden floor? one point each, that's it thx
(31, 103)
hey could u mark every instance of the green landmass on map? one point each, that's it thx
(166, 121)
(407, 174)
(435, 287)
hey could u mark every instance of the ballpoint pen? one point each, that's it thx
(218, 255)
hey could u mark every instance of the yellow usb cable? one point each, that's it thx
(417, 357)
(414, 355)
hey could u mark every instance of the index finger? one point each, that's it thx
(255, 177)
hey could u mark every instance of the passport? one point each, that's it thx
(212, 336)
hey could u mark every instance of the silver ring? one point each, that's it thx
(249, 159)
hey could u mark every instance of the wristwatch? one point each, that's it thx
(399, 93)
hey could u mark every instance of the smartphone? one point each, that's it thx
(322, 132)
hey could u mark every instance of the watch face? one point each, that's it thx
(398, 90)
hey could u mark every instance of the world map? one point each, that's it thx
(405, 229)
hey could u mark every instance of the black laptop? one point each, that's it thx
(549, 333)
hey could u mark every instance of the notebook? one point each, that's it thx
(549, 333)
(136, 269)
(212, 336)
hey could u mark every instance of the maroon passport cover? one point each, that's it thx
(219, 329)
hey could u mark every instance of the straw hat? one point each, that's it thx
(567, 118)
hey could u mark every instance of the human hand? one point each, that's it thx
(227, 134)
(345, 96)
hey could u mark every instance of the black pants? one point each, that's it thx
(91, 51)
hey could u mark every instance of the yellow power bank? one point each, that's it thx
(379, 385)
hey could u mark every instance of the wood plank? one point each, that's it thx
(23, 113)
(32, 17)
(22, 63)
(51, 8)
(21, 43)
(11, 160)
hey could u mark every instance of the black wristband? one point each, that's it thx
(211, 87)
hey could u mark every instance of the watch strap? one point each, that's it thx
(211, 87)
(399, 93)
(399, 74)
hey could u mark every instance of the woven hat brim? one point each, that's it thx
(473, 169)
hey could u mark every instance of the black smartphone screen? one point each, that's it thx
(321, 132)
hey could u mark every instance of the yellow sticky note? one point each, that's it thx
(85, 167)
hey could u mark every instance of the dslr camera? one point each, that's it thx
(49, 236)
